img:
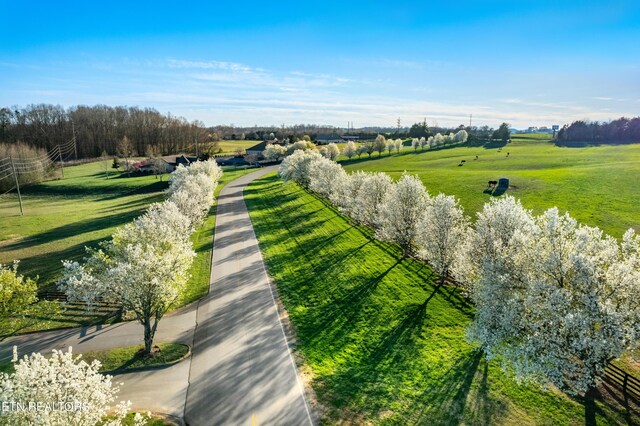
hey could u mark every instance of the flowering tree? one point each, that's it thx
(461, 136)
(325, 175)
(369, 198)
(324, 151)
(273, 152)
(390, 146)
(379, 144)
(208, 168)
(349, 188)
(438, 140)
(501, 230)
(443, 231)
(82, 394)
(556, 300)
(16, 291)
(296, 166)
(415, 143)
(193, 198)
(398, 144)
(332, 151)
(140, 268)
(300, 145)
(401, 211)
(350, 150)
(423, 143)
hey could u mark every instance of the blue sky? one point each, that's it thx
(368, 62)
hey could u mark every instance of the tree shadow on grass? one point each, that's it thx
(74, 229)
(335, 317)
(47, 266)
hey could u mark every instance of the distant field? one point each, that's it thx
(231, 146)
(598, 185)
(382, 346)
(63, 216)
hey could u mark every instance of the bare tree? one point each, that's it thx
(125, 149)
(104, 162)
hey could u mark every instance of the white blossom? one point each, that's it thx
(398, 145)
(443, 233)
(369, 198)
(423, 143)
(296, 166)
(401, 211)
(350, 150)
(332, 151)
(273, 152)
(87, 395)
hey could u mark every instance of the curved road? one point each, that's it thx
(241, 371)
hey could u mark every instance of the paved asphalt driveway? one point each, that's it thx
(242, 371)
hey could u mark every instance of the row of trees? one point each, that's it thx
(99, 128)
(555, 299)
(616, 131)
(440, 140)
(144, 267)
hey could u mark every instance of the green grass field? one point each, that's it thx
(229, 147)
(63, 216)
(379, 344)
(598, 185)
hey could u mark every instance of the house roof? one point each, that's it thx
(328, 137)
(259, 147)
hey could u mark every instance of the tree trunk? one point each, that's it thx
(148, 335)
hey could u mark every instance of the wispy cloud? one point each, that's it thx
(219, 65)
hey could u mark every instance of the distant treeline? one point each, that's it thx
(99, 128)
(622, 130)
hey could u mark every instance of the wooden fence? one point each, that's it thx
(629, 384)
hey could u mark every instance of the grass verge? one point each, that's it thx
(380, 344)
(121, 360)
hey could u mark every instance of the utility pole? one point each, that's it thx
(15, 175)
(398, 125)
(61, 162)
(195, 139)
(470, 116)
(75, 142)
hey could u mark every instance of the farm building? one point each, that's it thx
(257, 150)
(324, 139)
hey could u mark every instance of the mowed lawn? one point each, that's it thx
(598, 185)
(63, 216)
(230, 147)
(379, 344)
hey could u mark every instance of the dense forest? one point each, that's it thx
(622, 130)
(99, 128)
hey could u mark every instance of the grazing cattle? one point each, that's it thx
(463, 161)
(476, 157)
